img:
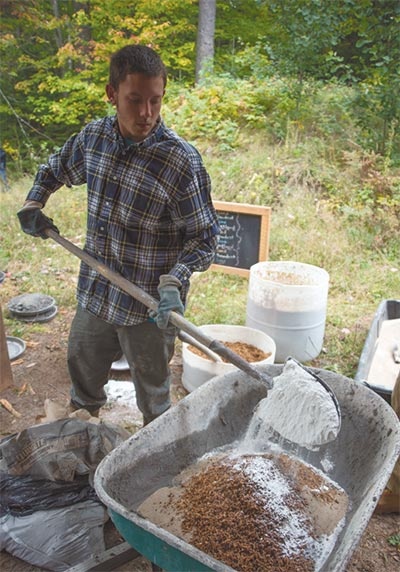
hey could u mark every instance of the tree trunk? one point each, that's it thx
(205, 35)
(57, 31)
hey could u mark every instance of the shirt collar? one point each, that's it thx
(153, 137)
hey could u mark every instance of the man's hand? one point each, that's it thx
(170, 299)
(33, 221)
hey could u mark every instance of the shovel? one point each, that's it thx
(192, 334)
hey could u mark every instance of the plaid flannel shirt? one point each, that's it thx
(149, 212)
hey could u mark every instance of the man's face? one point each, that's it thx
(138, 103)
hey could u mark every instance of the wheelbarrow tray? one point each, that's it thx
(360, 460)
(387, 310)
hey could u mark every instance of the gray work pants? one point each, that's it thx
(93, 346)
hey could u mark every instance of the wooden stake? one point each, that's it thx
(6, 377)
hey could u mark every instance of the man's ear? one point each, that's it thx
(110, 92)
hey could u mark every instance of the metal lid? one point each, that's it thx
(15, 347)
(30, 304)
(42, 317)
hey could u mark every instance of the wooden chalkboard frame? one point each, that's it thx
(264, 214)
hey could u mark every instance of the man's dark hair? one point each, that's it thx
(135, 59)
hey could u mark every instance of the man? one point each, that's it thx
(150, 218)
(3, 171)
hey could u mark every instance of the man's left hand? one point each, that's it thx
(170, 299)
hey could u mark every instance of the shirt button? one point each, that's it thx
(102, 228)
(114, 177)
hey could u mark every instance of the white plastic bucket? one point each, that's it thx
(197, 369)
(288, 300)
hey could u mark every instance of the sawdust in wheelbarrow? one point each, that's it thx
(246, 351)
(262, 512)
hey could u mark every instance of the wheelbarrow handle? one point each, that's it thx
(176, 319)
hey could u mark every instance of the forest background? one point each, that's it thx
(297, 107)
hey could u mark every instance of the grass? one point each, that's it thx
(394, 540)
(315, 219)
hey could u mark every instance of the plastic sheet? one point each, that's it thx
(50, 515)
(23, 495)
(55, 539)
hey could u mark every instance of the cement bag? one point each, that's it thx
(60, 450)
(55, 539)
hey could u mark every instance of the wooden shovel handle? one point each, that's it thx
(176, 319)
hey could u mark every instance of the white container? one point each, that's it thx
(197, 369)
(288, 300)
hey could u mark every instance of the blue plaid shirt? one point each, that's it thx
(149, 212)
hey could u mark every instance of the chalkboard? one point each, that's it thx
(244, 237)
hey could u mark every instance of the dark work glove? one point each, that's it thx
(34, 222)
(170, 299)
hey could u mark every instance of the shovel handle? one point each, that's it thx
(176, 319)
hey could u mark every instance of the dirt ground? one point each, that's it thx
(41, 373)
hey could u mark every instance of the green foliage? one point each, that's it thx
(305, 33)
(270, 58)
(377, 57)
(222, 106)
(59, 53)
(214, 110)
(216, 298)
(394, 540)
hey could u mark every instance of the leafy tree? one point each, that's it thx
(58, 54)
(54, 57)
(377, 61)
(305, 34)
(239, 24)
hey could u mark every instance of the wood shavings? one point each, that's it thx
(7, 405)
(26, 388)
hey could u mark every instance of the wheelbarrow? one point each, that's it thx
(217, 414)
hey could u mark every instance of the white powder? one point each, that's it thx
(327, 463)
(121, 407)
(120, 392)
(299, 408)
(274, 490)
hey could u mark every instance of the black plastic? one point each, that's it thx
(22, 494)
